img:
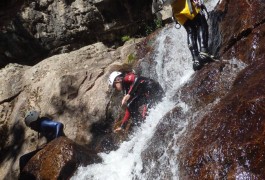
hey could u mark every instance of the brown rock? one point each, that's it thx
(212, 82)
(244, 39)
(58, 160)
(229, 141)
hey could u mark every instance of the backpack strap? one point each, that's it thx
(190, 6)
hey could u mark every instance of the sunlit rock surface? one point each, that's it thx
(242, 28)
(229, 140)
(58, 160)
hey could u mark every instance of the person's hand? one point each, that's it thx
(125, 99)
(118, 130)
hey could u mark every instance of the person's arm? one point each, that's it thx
(134, 82)
(136, 88)
(135, 85)
(128, 81)
(125, 119)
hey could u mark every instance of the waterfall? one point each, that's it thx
(174, 68)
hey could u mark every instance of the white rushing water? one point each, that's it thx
(174, 68)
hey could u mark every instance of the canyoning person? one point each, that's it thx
(45, 127)
(191, 14)
(140, 94)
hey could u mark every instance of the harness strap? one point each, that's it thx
(190, 6)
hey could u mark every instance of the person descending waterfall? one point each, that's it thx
(191, 14)
(140, 93)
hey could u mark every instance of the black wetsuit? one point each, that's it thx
(197, 31)
(144, 94)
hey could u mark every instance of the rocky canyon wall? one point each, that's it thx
(33, 30)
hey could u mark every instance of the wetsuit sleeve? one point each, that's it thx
(135, 86)
(125, 118)
(56, 128)
(129, 80)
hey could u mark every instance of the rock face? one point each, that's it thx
(58, 160)
(228, 141)
(71, 88)
(224, 138)
(245, 38)
(54, 27)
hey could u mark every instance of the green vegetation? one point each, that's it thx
(131, 58)
(125, 38)
(156, 24)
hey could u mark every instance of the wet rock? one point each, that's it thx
(229, 140)
(211, 83)
(58, 160)
(245, 39)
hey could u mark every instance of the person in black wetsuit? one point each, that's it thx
(44, 126)
(140, 93)
(189, 13)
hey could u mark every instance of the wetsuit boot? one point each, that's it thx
(206, 57)
(197, 65)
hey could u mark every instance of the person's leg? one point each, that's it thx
(202, 32)
(192, 43)
(23, 160)
(203, 35)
